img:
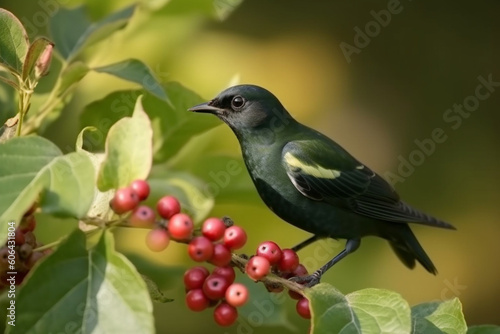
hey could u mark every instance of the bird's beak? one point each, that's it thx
(206, 108)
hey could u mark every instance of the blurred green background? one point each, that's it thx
(393, 91)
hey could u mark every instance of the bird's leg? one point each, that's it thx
(313, 279)
(306, 243)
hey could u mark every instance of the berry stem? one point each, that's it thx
(48, 246)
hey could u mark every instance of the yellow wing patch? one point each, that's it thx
(314, 170)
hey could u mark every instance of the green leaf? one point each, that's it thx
(190, 191)
(23, 159)
(70, 42)
(70, 76)
(37, 59)
(439, 317)
(129, 151)
(174, 125)
(380, 311)
(33, 166)
(100, 205)
(330, 311)
(136, 71)
(13, 42)
(484, 329)
(363, 311)
(68, 175)
(8, 105)
(95, 291)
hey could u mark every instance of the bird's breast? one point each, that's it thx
(280, 195)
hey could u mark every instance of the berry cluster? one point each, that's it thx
(215, 290)
(168, 207)
(283, 263)
(216, 242)
(213, 243)
(18, 255)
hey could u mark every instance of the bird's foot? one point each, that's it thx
(307, 281)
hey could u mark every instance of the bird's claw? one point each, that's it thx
(307, 281)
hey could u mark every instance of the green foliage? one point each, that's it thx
(135, 71)
(70, 42)
(439, 317)
(129, 143)
(14, 42)
(174, 125)
(34, 167)
(380, 311)
(94, 290)
(23, 159)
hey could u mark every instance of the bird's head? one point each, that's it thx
(247, 108)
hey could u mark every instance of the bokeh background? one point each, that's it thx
(377, 103)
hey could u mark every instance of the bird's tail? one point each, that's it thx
(408, 249)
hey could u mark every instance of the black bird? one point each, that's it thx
(311, 182)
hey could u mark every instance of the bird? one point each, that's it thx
(311, 182)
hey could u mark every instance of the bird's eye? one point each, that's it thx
(237, 102)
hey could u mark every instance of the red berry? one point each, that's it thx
(213, 229)
(221, 256)
(196, 300)
(236, 294)
(295, 295)
(271, 251)
(168, 206)
(141, 188)
(257, 267)
(215, 287)
(125, 200)
(157, 239)
(19, 237)
(28, 224)
(303, 309)
(194, 277)
(289, 261)
(180, 226)
(200, 249)
(226, 272)
(300, 271)
(235, 237)
(142, 216)
(225, 314)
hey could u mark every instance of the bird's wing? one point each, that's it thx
(324, 171)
